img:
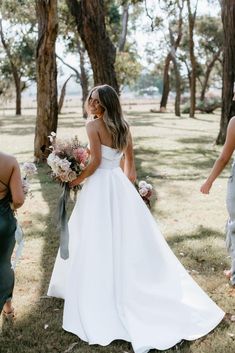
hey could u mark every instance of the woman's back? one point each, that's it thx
(10, 179)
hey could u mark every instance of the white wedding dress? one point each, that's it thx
(122, 281)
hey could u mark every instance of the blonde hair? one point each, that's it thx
(113, 116)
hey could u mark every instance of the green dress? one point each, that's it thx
(7, 243)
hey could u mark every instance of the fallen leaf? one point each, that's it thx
(71, 347)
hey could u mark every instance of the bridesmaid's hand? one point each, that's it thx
(206, 186)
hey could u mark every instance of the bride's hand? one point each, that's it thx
(75, 182)
(131, 175)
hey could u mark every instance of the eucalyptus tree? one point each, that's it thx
(74, 45)
(173, 10)
(209, 33)
(121, 17)
(192, 12)
(228, 105)
(46, 69)
(90, 21)
(17, 35)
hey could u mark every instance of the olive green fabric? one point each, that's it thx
(7, 243)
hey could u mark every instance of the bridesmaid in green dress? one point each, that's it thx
(11, 198)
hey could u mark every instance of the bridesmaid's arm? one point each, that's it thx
(16, 187)
(95, 153)
(223, 159)
(129, 161)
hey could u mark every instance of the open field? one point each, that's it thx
(175, 155)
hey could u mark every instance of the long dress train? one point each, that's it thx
(122, 281)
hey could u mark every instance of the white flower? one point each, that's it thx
(53, 134)
(25, 185)
(29, 169)
(143, 191)
(149, 186)
(72, 176)
(142, 184)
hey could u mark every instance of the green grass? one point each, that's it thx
(175, 155)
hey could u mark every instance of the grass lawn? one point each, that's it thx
(175, 155)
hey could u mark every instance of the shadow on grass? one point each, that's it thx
(198, 140)
(185, 163)
(203, 250)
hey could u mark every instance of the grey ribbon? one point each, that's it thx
(62, 224)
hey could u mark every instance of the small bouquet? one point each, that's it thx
(67, 160)
(28, 169)
(146, 192)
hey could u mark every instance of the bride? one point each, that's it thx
(122, 281)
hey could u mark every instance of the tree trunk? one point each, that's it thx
(90, 20)
(47, 106)
(172, 55)
(125, 16)
(177, 87)
(16, 75)
(166, 83)
(18, 96)
(191, 22)
(228, 105)
(84, 80)
(62, 94)
(207, 74)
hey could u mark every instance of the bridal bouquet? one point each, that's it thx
(67, 160)
(146, 191)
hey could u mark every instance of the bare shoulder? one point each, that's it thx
(232, 122)
(91, 125)
(94, 125)
(8, 158)
(231, 127)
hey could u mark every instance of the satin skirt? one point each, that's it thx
(122, 281)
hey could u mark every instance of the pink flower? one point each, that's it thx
(143, 191)
(81, 155)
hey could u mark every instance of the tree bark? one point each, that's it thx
(166, 83)
(172, 56)
(177, 87)
(125, 16)
(62, 94)
(84, 80)
(47, 105)
(228, 105)
(90, 21)
(16, 75)
(191, 22)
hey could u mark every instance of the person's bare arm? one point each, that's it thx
(95, 153)
(129, 161)
(223, 159)
(15, 185)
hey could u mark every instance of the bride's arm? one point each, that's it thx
(129, 161)
(95, 155)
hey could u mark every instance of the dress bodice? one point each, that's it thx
(5, 204)
(110, 157)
